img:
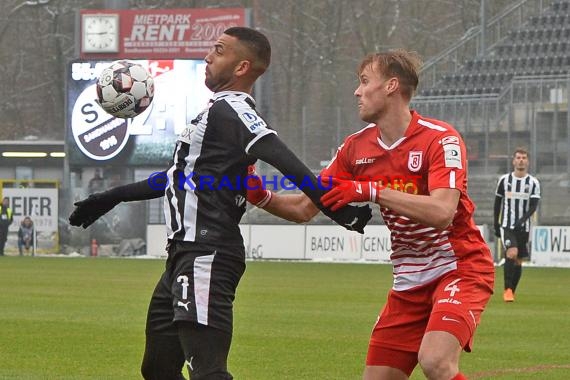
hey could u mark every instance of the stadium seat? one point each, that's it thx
(534, 20)
(557, 32)
(506, 49)
(561, 6)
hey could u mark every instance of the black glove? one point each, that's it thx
(95, 206)
(353, 218)
(518, 227)
(497, 230)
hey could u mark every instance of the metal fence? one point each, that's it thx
(533, 113)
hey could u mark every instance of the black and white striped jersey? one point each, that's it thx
(206, 194)
(516, 193)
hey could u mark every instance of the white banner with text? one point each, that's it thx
(550, 246)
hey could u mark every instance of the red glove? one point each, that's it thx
(345, 191)
(256, 194)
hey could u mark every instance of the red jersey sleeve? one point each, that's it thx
(340, 164)
(447, 162)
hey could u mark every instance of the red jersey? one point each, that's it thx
(431, 155)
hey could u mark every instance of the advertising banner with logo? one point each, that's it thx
(41, 205)
(332, 242)
(94, 137)
(154, 33)
(376, 244)
(551, 246)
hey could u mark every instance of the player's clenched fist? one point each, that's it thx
(346, 191)
(89, 210)
(256, 194)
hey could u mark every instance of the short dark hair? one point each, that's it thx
(520, 150)
(257, 44)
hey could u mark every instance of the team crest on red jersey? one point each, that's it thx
(415, 161)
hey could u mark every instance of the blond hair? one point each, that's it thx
(399, 63)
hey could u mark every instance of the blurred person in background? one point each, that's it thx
(97, 183)
(6, 219)
(190, 316)
(516, 199)
(26, 235)
(414, 168)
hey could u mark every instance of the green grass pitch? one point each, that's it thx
(84, 319)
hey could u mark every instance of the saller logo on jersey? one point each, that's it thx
(452, 154)
(364, 160)
(252, 121)
(415, 161)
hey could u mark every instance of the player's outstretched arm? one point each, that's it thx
(435, 210)
(296, 208)
(88, 210)
(273, 151)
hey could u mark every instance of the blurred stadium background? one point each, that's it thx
(497, 70)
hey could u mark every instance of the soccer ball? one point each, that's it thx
(125, 89)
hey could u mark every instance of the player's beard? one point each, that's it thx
(223, 80)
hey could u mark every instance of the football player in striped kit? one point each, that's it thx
(190, 316)
(516, 200)
(414, 168)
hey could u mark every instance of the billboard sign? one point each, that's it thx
(93, 136)
(154, 33)
(551, 246)
(41, 205)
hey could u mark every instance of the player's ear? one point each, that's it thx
(242, 68)
(392, 85)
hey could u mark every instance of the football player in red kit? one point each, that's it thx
(414, 168)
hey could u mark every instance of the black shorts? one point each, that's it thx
(518, 239)
(198, 285)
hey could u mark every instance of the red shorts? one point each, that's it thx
(452, 303)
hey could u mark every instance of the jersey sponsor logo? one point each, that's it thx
(449, 140)
(517, 195)
(415, 161)
(186, 134)
(364, 160)
(252, 121)
(452, 156)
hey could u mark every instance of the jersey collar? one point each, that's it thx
(223, 94)
(409, 131)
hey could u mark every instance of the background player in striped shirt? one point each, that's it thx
(516, 199)
(190, 315)
(414, 168)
